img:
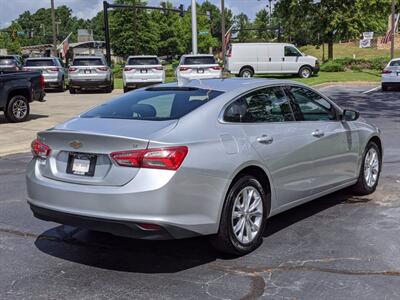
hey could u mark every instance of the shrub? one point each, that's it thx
(332, 66)
(355, 64)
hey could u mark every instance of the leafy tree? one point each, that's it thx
(244, 26)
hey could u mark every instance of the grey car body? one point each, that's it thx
(10, 63)
(90, 72)
(295, 160)
(53, 71)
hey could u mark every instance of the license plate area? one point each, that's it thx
(87, 71)
(143, 71)
(200, 71)
(81, 164)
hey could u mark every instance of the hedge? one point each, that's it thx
(355, 64)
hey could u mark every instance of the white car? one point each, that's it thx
(391, 74)
(142, 71)
(248, 59)
(199, 66)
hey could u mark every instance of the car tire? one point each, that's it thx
(246, 72)
(17, 109)
(371, 166)
(305, 72)
(61, 88)
(385, 87)
(228, 239)
(126, 89)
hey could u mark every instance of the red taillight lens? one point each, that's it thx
(53, 69)
(183, 69)
(103, 69)
(217, 68)
(41, 82)
(148, 226)
(40, 149)
(72, 69)
(158, 68)
(129, 69)
(169, 158)
(386, 72)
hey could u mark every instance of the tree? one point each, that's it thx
(244, 26)
(263, 31)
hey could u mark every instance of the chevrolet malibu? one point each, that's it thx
(212, 157)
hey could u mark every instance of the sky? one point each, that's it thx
(11, 9)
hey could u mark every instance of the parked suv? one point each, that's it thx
(90, 72)
(142, 71)
(199, 66)
(247, 59)
(52, 70)
(10, 63)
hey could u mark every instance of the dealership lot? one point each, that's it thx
(334, 247)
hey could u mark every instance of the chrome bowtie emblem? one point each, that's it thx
(75, 144)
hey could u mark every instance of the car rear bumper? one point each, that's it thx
(392, 80)
(199, 76)
(86, 83)
(165, 198)
(139, 84)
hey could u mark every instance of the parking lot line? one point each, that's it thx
(372, 90)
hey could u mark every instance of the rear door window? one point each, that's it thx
(39, 63)
(88, 62)
(141, 61)
(199, 60)
(7, 61)
(395, 63)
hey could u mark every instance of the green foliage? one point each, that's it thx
(332, 66)
(359, 64)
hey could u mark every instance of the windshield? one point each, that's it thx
(157, 104)
(88, 62)
(7, 61)
(395, 63)
(39, 63)
(140, 61)
(199, 60)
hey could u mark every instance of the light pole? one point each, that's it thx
(194, 27)
(53, 24)
(393, 29)
(223, 32)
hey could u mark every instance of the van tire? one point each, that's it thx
(305, 72)
(246, 72)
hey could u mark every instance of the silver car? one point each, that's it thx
(199, 66)
(212, 157)
(143, 70)
(391, 75)
(90, 72)
(53, 71)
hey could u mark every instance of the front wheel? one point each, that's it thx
(305, 72)
(385, 88)
(243, 217)
(370, 170)
(17, 109)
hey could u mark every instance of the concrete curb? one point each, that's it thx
(346, 83)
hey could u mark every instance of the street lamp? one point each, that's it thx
(194, 27)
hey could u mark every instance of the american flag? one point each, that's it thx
(389, 34)
(228, 35)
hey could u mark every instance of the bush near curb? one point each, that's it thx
(355, 64)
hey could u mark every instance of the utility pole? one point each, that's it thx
(393, 29)
(53, 24)
(223, 32)
(194, 27)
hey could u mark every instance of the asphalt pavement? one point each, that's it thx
(336, 247)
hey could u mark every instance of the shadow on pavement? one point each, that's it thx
(110, 252)
(31, 117)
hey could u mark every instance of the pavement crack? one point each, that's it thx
(18, 232)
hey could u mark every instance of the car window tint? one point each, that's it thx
(88, 62)
(199, 60)
(395, 63)
(141, 61)
(265, 105)
(291, 51)
(39, 63)
(7, 61)
(154, 104)
(310, 106)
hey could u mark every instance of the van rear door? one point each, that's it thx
(272, 63)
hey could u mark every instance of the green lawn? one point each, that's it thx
(322, 77)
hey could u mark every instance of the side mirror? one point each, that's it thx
(350, 115)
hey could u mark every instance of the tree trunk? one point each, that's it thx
(330, 46)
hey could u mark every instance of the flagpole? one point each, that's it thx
(60, 45)
(223, 33)
(393, 29)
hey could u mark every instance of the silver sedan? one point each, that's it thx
(213, 157)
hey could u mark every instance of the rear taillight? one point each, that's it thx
(72, 69)
(169, 158)
(53, 69)
(184, 68)
(158, 68)
(103, 69)
(386, 72)
(216, 68)
(25, 69)
(129, 69)
(41, 82)
(40, 149)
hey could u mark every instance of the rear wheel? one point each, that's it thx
(61, 88)
(246, 72)
(305, 72)
(126, 89)
(109, 89)
(370, 170)
(243, 218)
(385, 88)
(72, 90)
(17, 109)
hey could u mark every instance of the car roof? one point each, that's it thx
(89, 57)
(231, 84)
(197, 55)
(142, 56)
(262, 44)
(41, 58)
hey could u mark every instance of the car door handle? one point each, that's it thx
(265, 139)
(318, 133)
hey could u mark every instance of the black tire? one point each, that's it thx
(362, 187)
(61, 88)
(72, 90)
(385, 88)
(246, 72)
(305, 72)
(17, 109)
(225, 240)
(109, 89)
(126, 89)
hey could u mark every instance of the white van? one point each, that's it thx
(247, 59)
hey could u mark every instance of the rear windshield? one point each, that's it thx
(143, 61)
(87, 62)
(7, 61)
(39, 62)
(199, 60)
(156, 104)
(395, 63)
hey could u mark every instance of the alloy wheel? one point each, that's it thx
(19, 109)
(371, 167)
